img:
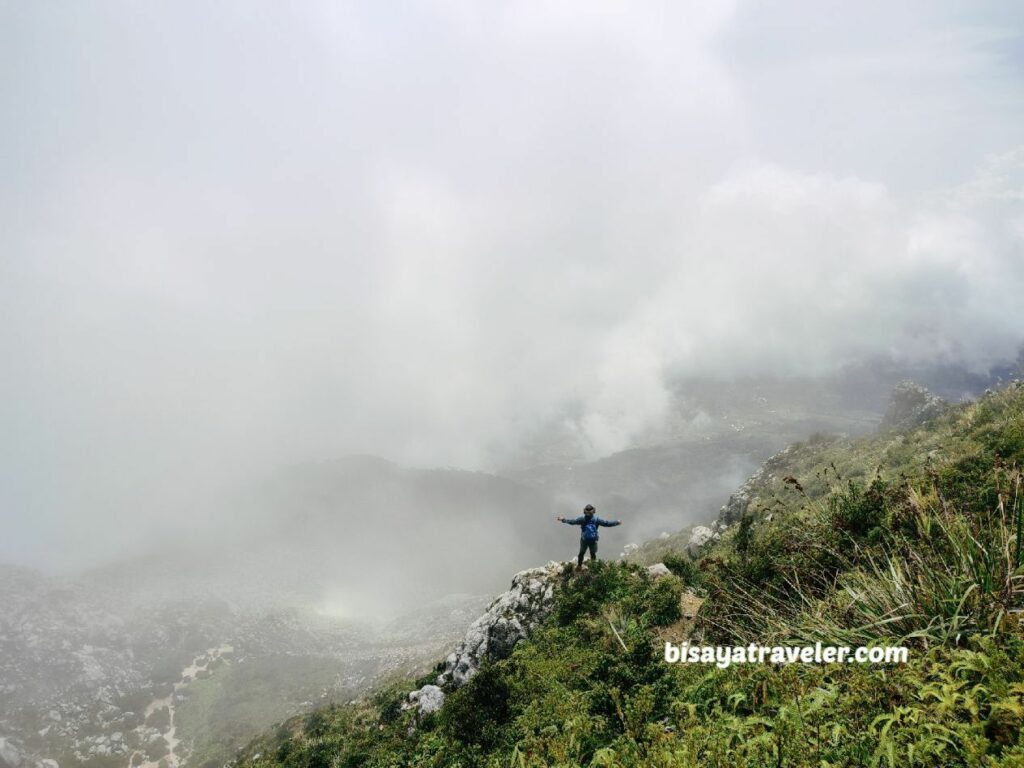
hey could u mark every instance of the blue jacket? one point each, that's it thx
(590, 526)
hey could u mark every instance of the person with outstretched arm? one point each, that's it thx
(589, 523)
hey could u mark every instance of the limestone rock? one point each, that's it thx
(14, 756)
(427, 699)
(507, 620)
(658, 570)
(910, 405)
(689, 603)
(699, 536)
(738, 502)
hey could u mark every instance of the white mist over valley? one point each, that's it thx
(314, 316)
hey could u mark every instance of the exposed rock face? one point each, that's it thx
(427, 699)
(13, 756)
(699, 536)
(910, 404)
(658, 570)
(737, 504)
(81, 658)
(508, 619)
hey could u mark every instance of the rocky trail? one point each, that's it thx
(174, 758)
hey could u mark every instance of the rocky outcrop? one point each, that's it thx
(14, 756)
(658, 570)
(426, 700)
(738, 502)
(699, 536)
(910, 405)
(508, 619)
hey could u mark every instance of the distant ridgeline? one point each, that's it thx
(910, 536)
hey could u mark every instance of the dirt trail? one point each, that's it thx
(173, 759)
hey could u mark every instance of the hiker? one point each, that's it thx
(589, 523)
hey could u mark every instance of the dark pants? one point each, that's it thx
(584, 546)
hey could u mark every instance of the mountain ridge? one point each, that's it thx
(587, 687)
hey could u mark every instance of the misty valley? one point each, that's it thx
(96, 673)
(389, 385)
(343, 575)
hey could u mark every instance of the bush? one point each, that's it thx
(389, 702)
(658, 604)
(476, 712)
(685, 568)
(585, 592)
(857, 510)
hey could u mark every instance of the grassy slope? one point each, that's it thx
(898, 538)
(222, 710)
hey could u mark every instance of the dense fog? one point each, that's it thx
(243, 238)
(315, 315)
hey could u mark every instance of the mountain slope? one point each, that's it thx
(908, 537)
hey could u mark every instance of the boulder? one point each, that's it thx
(427, 699)
(658, 570)
(699, 536)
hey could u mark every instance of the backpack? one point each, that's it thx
(589, 529)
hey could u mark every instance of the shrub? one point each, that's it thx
(857, 510)
(389, 702)
(584, 593)
(476, 712)
(660, 602)
(958, 575)
(685, 568)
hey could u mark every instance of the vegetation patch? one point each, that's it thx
(911, 538)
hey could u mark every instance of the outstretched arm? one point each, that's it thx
(567, 521)
(609, 523)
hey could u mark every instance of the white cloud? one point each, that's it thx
(236, 236)
(788, 272)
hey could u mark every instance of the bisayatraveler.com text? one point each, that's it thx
(723, 656)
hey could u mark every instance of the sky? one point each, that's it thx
(242, 235)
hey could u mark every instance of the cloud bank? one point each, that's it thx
(240, 236)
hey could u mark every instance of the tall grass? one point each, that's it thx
(937, 577)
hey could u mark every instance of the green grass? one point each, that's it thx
(222, 711)
(899, 538)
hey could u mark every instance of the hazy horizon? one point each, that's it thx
(244, 236)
